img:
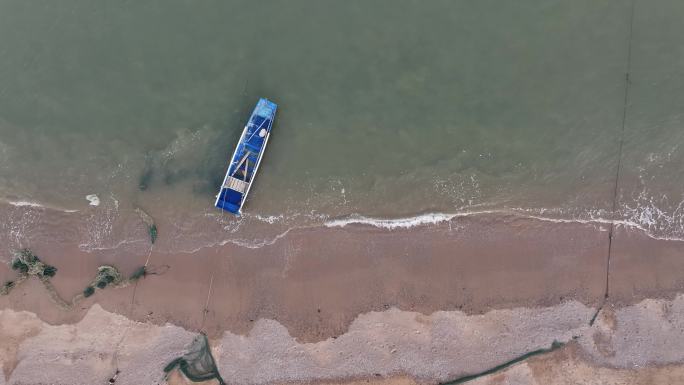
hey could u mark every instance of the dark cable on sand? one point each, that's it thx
(152, 229)
(205, 310)
(619, 161)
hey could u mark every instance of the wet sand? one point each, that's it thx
(315, 281)
(643, 267)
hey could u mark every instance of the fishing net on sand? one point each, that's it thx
(197, 363)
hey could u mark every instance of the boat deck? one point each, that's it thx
(246, 158)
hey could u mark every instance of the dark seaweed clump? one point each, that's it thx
(7, 287)
(105, 280)
(26, 262)
(20, 266)
(28, 256)
(88, 291)
(153, 232)
(49, 271)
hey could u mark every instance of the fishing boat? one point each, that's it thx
(246, 158)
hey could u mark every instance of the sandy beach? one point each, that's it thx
(454, 192)
(424, 304)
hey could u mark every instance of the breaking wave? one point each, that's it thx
(106, 227)
(38, 205)
(651, 220)
(398, 223)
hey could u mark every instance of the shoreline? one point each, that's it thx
(120, 229)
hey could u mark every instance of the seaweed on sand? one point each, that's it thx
(18, 264)
(149, 222)
(107, 275)
(27, 255)
(88, 291)
(49, 271)
(29, 265)
(153, 232)
(7, 287)
(25, 262)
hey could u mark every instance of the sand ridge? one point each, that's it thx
(378, 345)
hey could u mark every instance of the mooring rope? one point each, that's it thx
(115, 358)
(620, 146)
(205, 310)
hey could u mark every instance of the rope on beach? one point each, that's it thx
(618, 167)
(622, 135)
(205, 310)
(135, 278)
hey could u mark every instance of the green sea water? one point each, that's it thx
(387, 108)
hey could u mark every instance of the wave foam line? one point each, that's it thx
(25, 204)
(88, 247)
(437, 218)
(255, 244)
(604, 221)
(422, 220)
(402, 223)
(37, 205)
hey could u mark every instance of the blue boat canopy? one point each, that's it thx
(246, 158)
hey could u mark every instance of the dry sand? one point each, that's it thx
(392, 346)
(569, 367)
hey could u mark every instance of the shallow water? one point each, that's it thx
(387, 108)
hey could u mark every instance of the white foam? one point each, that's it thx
(93, 199)
(257, 244)
(90, 248)
(26, 204)
(396, 223)
(592, 218)
(248, 244)
(270, 219)
(657, 215)
(627, 223)
(39, 206)
(437, 218)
